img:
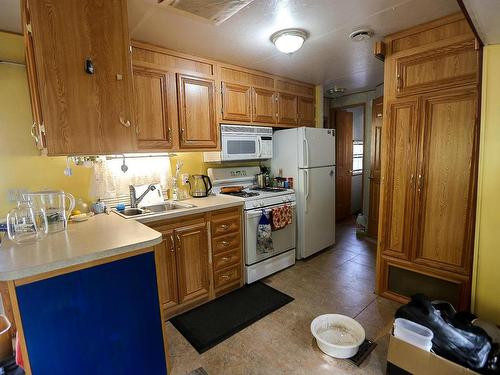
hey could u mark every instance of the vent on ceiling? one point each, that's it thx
(216, 11)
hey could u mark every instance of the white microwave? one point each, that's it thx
(240, 142)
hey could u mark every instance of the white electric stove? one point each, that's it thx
(256, 202)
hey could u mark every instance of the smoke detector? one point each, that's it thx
(361, 34)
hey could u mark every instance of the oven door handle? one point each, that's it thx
(257, 212)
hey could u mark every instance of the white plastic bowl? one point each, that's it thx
(413, 333)
(337, 335)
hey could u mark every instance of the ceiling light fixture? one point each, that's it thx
(289, 40)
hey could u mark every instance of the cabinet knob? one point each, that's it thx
(124, 123)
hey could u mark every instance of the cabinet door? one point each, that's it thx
(84, 75)
(375, 166)
(399, 187)
(197, 123)
(306, 116)
(166, 269)
(153, 119)
(445, 181)
(192, 262)
(236, 102)
(264, 106)
(287, 109)
(437, 69)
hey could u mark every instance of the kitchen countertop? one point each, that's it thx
(210, 203)
(99, 237)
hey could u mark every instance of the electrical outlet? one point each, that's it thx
(185, 178)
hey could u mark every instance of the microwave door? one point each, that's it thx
(240, 147)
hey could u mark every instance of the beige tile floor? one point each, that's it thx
(338, 280)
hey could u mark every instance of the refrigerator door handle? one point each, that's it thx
(306, 153)
(306, 180)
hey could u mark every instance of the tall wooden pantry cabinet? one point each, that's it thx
(429, 162)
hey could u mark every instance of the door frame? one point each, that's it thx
(332, 125)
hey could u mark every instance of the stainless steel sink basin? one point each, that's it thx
(151, 210)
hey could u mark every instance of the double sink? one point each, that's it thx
(153, 210)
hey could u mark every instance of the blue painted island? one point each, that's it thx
(86, 301)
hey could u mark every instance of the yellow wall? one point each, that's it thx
(21, 167)
(486, 289)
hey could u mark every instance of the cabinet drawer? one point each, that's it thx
(225, 243)
(229, 258)
(227, 276)
(225, 225)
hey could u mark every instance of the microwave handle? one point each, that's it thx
(260, 146)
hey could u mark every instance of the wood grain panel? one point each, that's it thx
(440, 68)
(264, 106)
(236, 101)
(400, 179)
(225, 224)
(457, 25)
(197, 122)
(192, 262)
(224, 243)
(343, 157)
(152, 114)
(294, 87)
(166, 268)
(287, 109)
(228, 258)
(227, 276)
(305, 111)
(83, 113)
(170, 61)
(446, 180)
(244, 77)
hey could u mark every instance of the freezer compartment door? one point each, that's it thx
(316, 210)
(316, 147)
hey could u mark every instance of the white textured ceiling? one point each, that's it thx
(328, 56)
(485, 16)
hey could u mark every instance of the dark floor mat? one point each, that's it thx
(210, 324)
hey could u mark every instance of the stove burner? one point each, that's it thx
(268, 189)
(242, 194)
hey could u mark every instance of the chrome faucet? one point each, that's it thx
(134, 201)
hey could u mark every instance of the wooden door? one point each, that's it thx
(197, 122)
(445, 181)
(84, 75)
(192, 262)
(377, 121)
(166, 269)
(153, 119)
(264, 106)
(236, 102)
(343, 157)
(306, 115)
(287, 109)
(399, 180)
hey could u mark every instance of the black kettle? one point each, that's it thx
(201, 186)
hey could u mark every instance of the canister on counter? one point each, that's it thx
(290, 182)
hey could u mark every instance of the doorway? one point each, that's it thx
(349, 127)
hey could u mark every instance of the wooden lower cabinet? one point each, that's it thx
(195, 264)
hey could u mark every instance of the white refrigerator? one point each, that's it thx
(308, 155)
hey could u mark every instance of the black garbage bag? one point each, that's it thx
(454, 339)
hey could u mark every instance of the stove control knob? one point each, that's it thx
(255, 204)
(261, 204)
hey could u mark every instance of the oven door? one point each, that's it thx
(283, 239)
(241, 147)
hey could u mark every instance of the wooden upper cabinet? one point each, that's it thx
(152, 116)
(452, 65)
(399, 186)
(197, 120)
(192, 262)
(236, 102)
(166, 268)
(287, 109)
(264, 106)
(445, 181)
(84, 76)
(305, 112)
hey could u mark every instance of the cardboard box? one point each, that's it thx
(403, 358)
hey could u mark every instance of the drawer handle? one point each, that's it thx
(226, 277)
(226, 259)
(225, 226)
(224, 243)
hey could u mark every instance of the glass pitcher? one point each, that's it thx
(26, 224)
(57, 205)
